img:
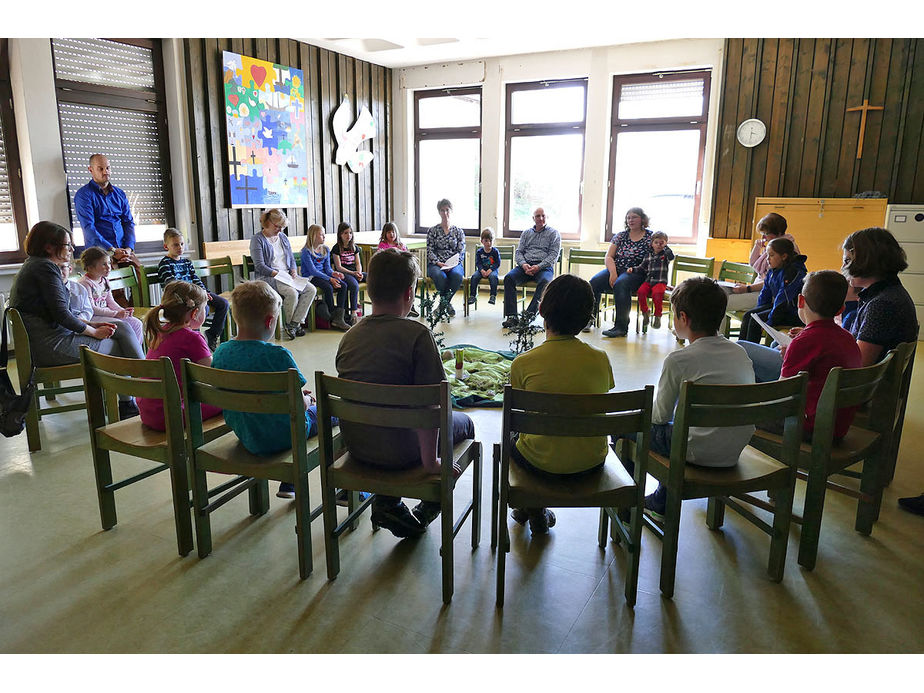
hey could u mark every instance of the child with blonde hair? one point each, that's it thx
(173, 331)
(96, 268)
(316, 266)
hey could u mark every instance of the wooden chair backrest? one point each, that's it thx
(555, 414)
(579, 256)
(736, 272)
(691, 265)
(21, 340)
(148, 378)
(250, 392)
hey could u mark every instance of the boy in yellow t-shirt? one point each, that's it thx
(565, 364)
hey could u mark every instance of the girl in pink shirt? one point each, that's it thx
(390, 237)
(183, 307)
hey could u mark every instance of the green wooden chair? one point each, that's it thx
(898, 383)
(223, 271)
(127, 278)
(870, 444)
(105, 378)
(48, 382)
(265, 393)
(682, 267)
(394, 406)
(735, 272)
(720, 406)
(610, 489)
(579, 256)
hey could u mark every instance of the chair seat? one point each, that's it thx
(132, 433)
(350, 473)
(855, 446)
(609, 487)
(227, 455)
(140, 312)
(755, 471)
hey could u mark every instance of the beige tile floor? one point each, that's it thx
(68, 587)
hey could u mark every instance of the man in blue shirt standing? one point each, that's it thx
(104, 214)
(535, 256)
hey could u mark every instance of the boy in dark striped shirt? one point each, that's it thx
(654, 267)
(175, 267)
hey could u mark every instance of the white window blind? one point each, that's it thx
(109, 63)
(661, 99)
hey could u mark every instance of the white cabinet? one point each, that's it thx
(906, 222)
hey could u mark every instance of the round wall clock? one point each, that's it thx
(751, 132)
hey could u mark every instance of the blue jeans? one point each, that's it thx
(623, 289)
(767, 361)
(515, 278)
(447, 282)
(352, 284)
(476, 279)
(219, 310)
(327, 291)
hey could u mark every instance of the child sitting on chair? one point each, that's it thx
(776, 304)
(699, 306)
(347, 259)
(79, 302)
(96, 268)
(654, 268)
(255, 309)
(565, 364)
(390, 237)
(487, 262)
(174, 266)
(173, 331)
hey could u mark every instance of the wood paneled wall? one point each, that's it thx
(801, 89)
(335, 193)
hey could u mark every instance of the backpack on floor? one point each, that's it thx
(13, 407)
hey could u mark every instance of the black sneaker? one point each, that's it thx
(519, 515)
(913, 504)
(412, 313)
(426, 512)
(509, 322)
(540, 522)
(492, 300)
(655, 503)
(127, 409)
(614, 332)
(656, 322)
(299, 330)
(451, 311)
(288, 331)
(645, 321)
(286, 490)
(397, 520)
(471, 300)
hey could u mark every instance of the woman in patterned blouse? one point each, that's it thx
(443, 242)
(628, 249)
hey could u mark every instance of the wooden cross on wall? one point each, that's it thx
(863, 109)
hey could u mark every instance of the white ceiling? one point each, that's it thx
(404, 52)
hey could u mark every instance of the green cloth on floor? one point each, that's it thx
(488, 372)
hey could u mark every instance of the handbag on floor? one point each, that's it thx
(13, 407)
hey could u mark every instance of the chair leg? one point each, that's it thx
(715, 513)
(670, 543)
(201, 516)
(503, 538)
(331, 541)
(476, 499)
(871, 484)
(635, 530)
(303, 526)
(779, 540)
(103, 469)
(33, 436)
(811, 519)
(495, 493)
(258, 496)
(602, 528)
(446, 516)
(180, 486)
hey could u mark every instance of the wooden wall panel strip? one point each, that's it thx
(814, 117)
(726, 138)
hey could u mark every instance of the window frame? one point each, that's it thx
(512, 130)
(14, 164)
(687, 122)
(448, 133)
(147, 101)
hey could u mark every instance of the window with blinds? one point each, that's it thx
(12, 204)
(8, 239)
(110, 101)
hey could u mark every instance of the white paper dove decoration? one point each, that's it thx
(349, 140)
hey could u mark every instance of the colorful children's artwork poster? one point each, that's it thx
(267, 132)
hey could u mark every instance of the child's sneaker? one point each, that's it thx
(492, 300)
(644, 321)
(343, 499)
(286, 490)
(656, 503)
(471, 300)
(539, 523)
(656, 323)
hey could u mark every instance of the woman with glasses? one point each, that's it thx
(42, 299)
